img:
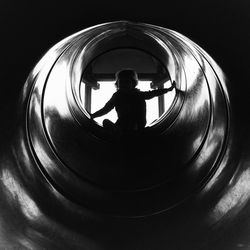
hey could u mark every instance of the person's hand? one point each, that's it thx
(173, 85)
(90, 115)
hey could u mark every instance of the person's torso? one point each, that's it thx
(131, 109)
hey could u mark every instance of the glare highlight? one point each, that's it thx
(27, 205)
(235, 198)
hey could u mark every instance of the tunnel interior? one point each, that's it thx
(156, 169)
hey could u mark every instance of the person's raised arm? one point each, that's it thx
(158, 92)
(107, 108)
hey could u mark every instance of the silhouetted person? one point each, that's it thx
(129, 103)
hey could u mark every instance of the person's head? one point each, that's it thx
(126, 79)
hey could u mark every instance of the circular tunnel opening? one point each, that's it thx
(98, 82)
(188, 138)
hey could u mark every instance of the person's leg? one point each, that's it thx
(110, 126)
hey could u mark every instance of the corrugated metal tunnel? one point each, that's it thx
(69, 184)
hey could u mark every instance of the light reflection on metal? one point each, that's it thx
(27, 205)
(56, 84)
(235, 198)
(84, 187)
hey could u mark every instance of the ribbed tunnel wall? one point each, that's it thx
(74, 186)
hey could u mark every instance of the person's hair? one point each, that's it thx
(126, 79)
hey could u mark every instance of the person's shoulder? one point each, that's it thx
(137, 91)
(116, 95)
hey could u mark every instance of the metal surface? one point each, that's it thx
(67, 184)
